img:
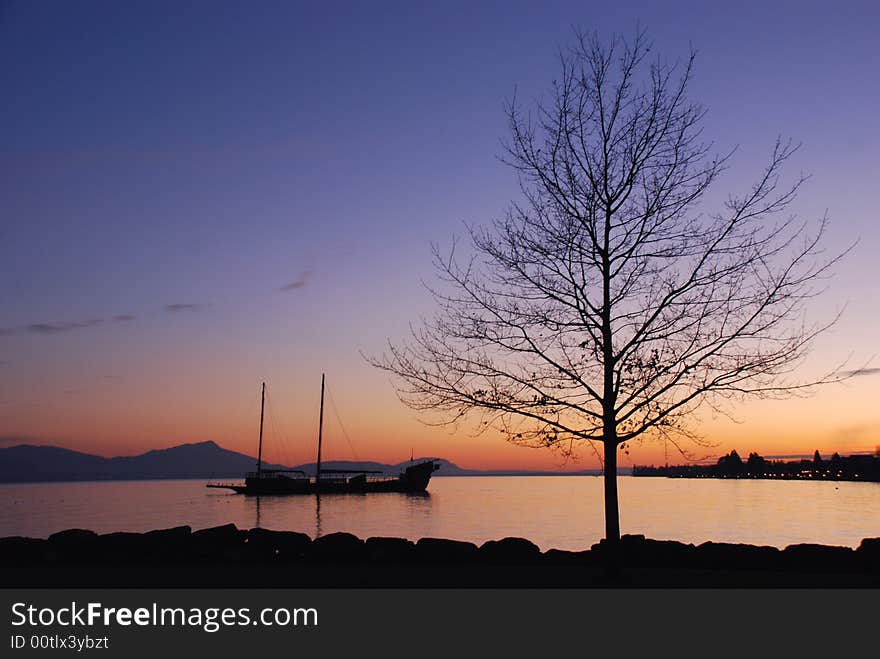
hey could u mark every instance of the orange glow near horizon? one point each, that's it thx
(124, 418)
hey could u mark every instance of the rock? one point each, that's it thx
(73, 545)
(628, 543)
(225, 534)
(636, 550)
(73, 537)
(671, 553)
(263, 544)
(868, 554)
(809, 557)
(565, 557)
(438, 550)
(177, 535)
(219, 542)
(168, 544)
(870, 546)
(337, 547)
(123, 547)
(21, 550)
(732, 556)
(510, 551)
(390, 550)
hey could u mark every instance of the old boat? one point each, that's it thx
(413, 478)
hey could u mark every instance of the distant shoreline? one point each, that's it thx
(202, 479)
(148, 479)
(858, 468)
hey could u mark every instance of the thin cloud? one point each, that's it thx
(857, 432)
(862, 371)
(63, 326)
(301, 281)
(5, 362)
(56, 328)
(178, 307)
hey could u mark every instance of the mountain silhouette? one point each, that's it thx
(33, 464)
(50, 463)
(27, 463)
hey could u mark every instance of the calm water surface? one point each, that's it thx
(561, 512)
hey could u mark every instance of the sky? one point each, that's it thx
(196, 197)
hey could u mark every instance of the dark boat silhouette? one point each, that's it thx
(413, 478)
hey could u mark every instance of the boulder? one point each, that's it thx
(225, 534)
(168, 544)
(390, 550)
(73, 537)
(870, 546)
(636, 550)
(17, 549)
(266, 545)
(868, 554)
(73, 545)
(219, 542)
(730, 556)
(123, 547)
(178, 535)
(439, 550)
(510, 551)
(337, 548)
(565, 557)
(809, 557)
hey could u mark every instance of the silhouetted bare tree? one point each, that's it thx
(607, 305)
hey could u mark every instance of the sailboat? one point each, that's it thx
(413, 478)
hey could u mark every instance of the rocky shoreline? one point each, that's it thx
(226, 556)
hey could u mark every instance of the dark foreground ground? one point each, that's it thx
(228, 557)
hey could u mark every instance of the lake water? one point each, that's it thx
(552, 511)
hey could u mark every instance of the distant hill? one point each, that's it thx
(27, 463)
(50, 463)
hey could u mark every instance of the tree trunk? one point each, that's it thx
(612, 512)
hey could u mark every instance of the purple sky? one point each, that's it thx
(194, 193)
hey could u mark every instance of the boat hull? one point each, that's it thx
(413, 479)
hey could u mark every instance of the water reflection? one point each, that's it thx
(565, 513)
(418, 504)
(317, 515)
(334, 512)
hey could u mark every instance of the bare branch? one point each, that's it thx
(610, 304)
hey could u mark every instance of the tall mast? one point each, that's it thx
(320, 431)
(260, 450)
